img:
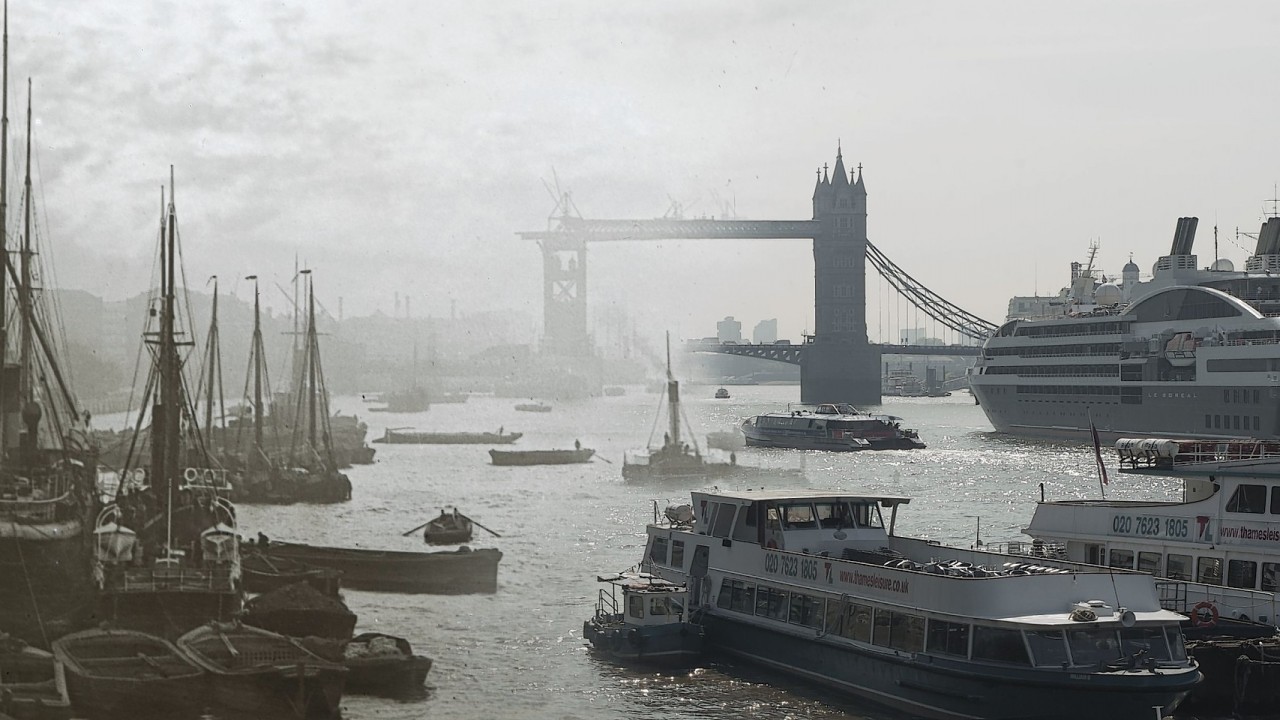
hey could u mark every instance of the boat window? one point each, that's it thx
(999, 645)
(724, 521)
(867, 515)
(849, 620)
(1209, 570)
(738, 596)
(948, 638)
(833, 515)
(798, 517)
(1093, 647)
(771, 603)
(772, 523)
(1271, 577)
(1177, 650)
(677, 554)
(898, 630)
(1121, 559)
(1182, 304)
(635, 606)
(1275, 500)
(805, 610)
(1148, 562)
(658, 550)
(1147, 641)
(1178, 567)
(1048, 648)
(1242, 574)
(1248, 499)
(660, 606)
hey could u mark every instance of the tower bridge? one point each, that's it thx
(837, 362)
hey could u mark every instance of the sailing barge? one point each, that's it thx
(447, 572)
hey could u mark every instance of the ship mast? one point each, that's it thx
(257, 369)
(311, 352)
(673, 398)
(215, 369)
(30, 410)
(166, 412)
(4, 230)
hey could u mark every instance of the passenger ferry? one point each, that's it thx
(829, 426)
(1192, 353)
(817, 585)
(1216, 550)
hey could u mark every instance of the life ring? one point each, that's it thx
(1198, 617)
(190, 474)
(772, 545)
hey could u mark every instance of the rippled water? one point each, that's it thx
(519, 653)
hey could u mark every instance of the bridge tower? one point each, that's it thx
(564, 298)
(838, 364)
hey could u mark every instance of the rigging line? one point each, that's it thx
(31, 591)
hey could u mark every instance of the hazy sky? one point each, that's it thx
(399, 146)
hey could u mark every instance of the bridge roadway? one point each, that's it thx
(573, 230)
(791, 354)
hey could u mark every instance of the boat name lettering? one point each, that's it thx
(790, 566)
(1151, 526)
(879, 582)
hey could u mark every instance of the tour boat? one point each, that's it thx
(1215, 551)
(817, 584)
(829, 426)
(722, 394)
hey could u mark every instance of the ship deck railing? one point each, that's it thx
(146, 580)
(1182, 596)
(1200, 452)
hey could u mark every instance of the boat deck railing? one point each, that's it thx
(1034, 548)
(139, 580)
(1183, 596)
(1199, 452)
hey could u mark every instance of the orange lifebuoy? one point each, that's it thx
(1204, 614)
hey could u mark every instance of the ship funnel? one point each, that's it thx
(1184, 235)
(1269, 238)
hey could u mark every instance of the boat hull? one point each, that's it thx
(541, 457)
(417, 438)
(30, 685)
(458, 572)
(934, 688)
(107, 675)
(48, 580)
(674, 644)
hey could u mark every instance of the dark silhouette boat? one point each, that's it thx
(402, 436)
(447, 572)
(377, 663)
(448, 528)
(541, 457)
(118, 673)
(256, 671)
(539, 407)
(299, 610)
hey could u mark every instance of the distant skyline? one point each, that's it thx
(397, 147)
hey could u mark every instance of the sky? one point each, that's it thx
(397, 147)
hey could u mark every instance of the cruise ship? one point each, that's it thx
(1191, 353)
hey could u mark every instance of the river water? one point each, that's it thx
(519, 653)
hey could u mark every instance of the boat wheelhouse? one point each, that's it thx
(643, 618)
(829, 426)
(1215, 551)
(817, 584)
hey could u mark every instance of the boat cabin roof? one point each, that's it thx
(641, 582)
(745, 497)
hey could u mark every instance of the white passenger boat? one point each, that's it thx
(1216, 551)
(817, 585)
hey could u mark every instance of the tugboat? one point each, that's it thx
(649, 623)
(829, 426)
(818, 585)
(166, 551)
(722, 394)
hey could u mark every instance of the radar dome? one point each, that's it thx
(1222, 265)
(1107, 294)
